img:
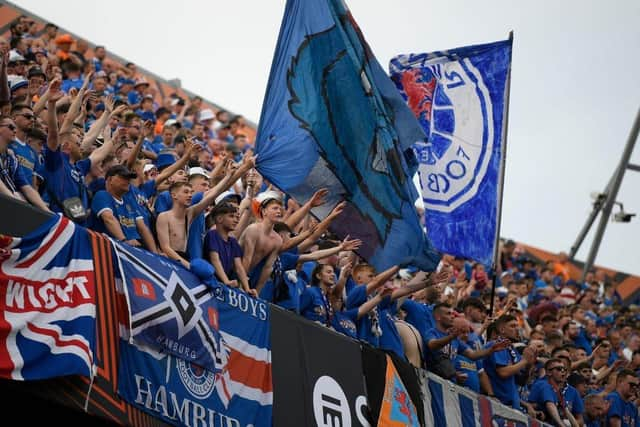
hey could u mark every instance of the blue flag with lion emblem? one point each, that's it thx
(459, 97)
(333, 119)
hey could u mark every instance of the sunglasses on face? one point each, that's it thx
(27, 116)
(558, 368)
(10, 126)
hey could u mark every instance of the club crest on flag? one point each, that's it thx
(452, 103)
(460, 98)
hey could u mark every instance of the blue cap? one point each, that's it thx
(146, 115)
(99, 107)
(164, 160)
(19, 84)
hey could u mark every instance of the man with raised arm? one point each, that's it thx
(173, 225)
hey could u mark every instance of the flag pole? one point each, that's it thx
(503, 160)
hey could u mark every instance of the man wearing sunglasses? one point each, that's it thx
(622, 410)
(24, 120)
(548, 397)
(12, 180)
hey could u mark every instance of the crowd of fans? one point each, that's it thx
(88, 138)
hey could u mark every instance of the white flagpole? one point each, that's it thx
(503, 160)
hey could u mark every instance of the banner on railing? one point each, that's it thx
(318, 377)
(181, 392)
(449, 405)
(48, 302)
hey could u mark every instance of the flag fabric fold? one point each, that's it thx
(460, 98)
(170, 310)
(332, 118)
(47, 302)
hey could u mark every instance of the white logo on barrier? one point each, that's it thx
(455, 160)
(330, 405)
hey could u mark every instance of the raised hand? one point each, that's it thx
(337, 210)
(346, 270)
(350, 245)
(119, 110)
(530, 355)
(318, 197)
(55, 94)
(87, 80)
(440, 277)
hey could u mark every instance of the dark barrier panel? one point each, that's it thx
(19, 218)
(317, 375)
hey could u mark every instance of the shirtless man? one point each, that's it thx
(173, 224)
(260, 242)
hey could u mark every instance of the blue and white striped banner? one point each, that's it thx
(449, 405)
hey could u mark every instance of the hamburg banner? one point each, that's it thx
(460, 98)
(170, 309)
(47, 302)
(332, 118)
(182, 393)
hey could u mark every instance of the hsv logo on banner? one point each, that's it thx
(181, 392)
(47, 302)
(459, 98)
(170, 309)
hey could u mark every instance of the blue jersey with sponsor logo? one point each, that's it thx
(27, 158)
(63, 180)
(125, 211)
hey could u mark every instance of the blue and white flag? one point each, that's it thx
(449, 405)
(183, 393)
(459, 97)
(332, 118)
(170, 309)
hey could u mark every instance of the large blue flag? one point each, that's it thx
(459, 97)
(332, 118)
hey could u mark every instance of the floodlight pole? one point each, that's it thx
(611, 194)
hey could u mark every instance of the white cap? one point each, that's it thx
(198, 171)
(226, 195)
(268, 195)
(172, 122)
(14, 56)
(405, 274)
(148, 167)
(206, 114)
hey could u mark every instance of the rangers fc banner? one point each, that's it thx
(183, 393)
(47, 302)
(459, 98)
(332, 118)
